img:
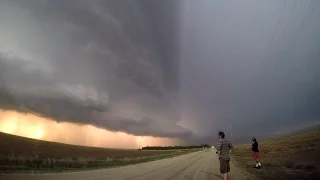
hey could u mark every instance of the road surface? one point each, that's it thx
(202, 165)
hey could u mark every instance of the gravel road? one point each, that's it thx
(202, 165)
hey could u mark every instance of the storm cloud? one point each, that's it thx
(250, 65)
(86, 62)
(181, 69)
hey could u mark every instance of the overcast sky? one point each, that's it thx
(181, 69)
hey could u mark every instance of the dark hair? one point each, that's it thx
(221, 134)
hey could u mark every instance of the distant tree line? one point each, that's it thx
(175, 147)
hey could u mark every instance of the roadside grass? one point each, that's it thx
(14, 164)
(291, 157)
(20, 154)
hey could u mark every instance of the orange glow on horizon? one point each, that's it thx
(38, 133)
(36, 127)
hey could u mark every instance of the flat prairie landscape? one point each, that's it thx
(24, 154)
(292, 157)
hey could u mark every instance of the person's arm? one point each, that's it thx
(252, 147)
(218, 149)
(230, 147)
(218, 152)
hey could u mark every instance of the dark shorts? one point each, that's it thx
(224, 166)
(255, 155)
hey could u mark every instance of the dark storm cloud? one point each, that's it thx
(86, 62)
(230, 78)
(161, 68)
(165, 19)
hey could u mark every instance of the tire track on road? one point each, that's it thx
(179, 172)
(149, 172)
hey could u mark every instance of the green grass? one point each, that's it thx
(290, 157)
(11, 164)
(19, 154)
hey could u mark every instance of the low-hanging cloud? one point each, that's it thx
(171, 69)
(88, 63)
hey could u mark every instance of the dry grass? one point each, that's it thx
(24, 154)
(21, 146)
(291, 157)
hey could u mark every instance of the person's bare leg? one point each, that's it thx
(225, 176)
(229, 175)
(259, 162)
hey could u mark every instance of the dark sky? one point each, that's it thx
(181, 69)
(231, 75)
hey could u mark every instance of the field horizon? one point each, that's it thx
(21, 154)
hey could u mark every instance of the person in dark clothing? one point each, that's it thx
(255, 150)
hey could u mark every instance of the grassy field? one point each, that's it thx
(292, 157)
(19, 154)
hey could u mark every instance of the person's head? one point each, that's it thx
(253, 139)
(221, 135)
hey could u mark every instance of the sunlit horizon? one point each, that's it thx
(42, 128)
